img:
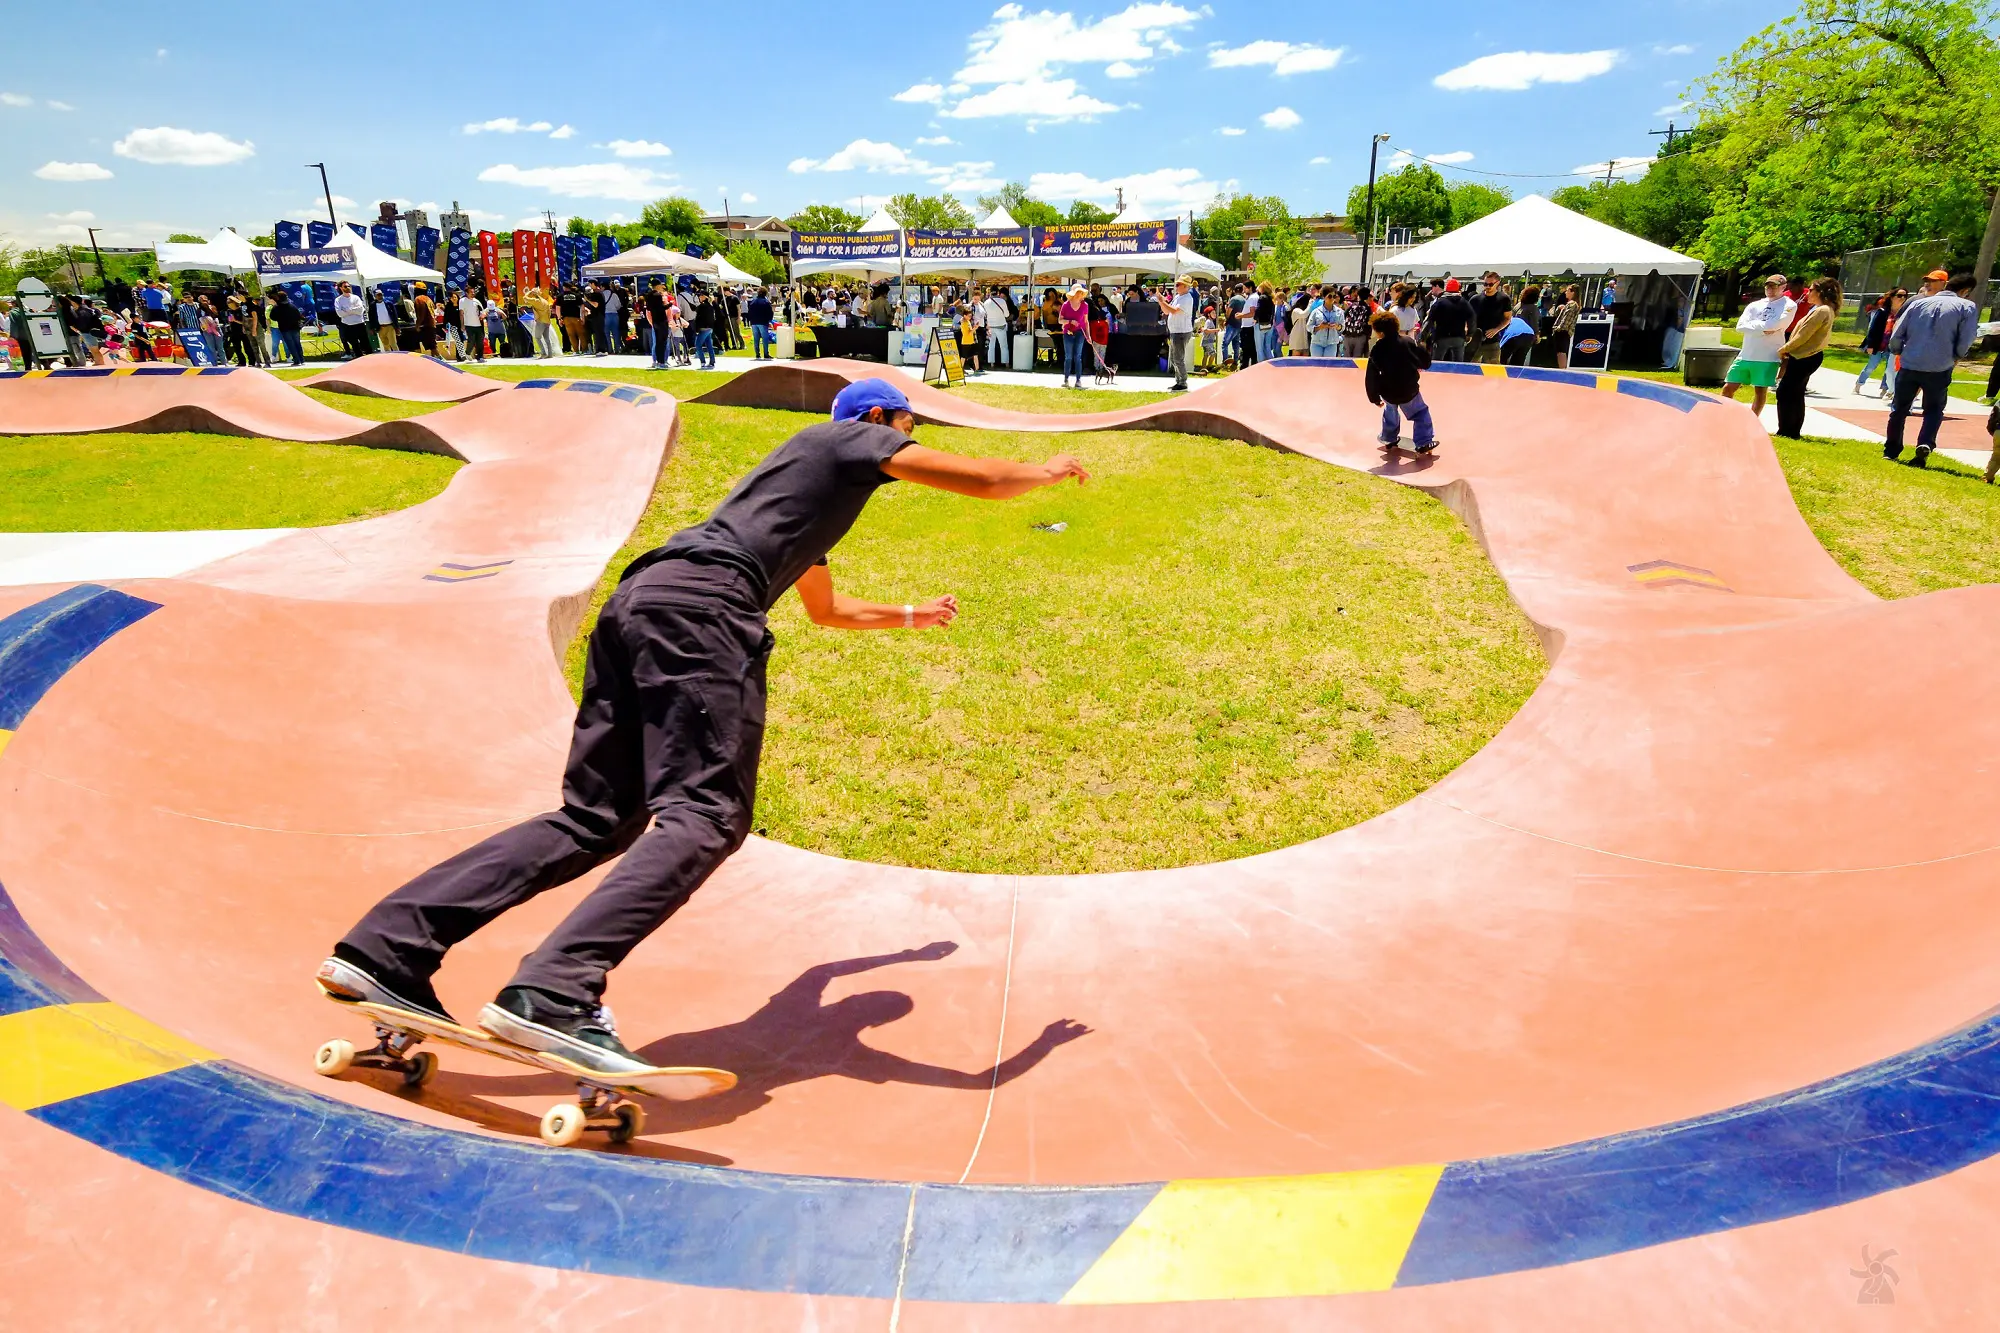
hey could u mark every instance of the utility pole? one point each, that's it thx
(103, 284)
(327, 190)
(74, 276)
(1608, 167)
(1368, 224)
(1669, 132)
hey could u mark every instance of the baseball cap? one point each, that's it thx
(858, 397)
(1451, 284)
(1938, 275)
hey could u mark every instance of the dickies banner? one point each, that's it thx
(1108, 238)
(847, 245)
(969, 244)
(489, 263)
(458, 260)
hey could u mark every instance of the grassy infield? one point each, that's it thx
(1228, 650)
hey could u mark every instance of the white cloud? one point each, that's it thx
(563, 132)
(1168, 192)
(72, 171)
(1675, 109)
(936, 140)
(1125, 69)
(160, 54)
(746, 197)
(1284, 58)
(921, 92)
(599, 180)
(1281, 118)
(60, 106)
(1040, 100)
(79, 215)
(863, 155)
(1230, 131)
(1319, 162)
(165, 145)
(1448, 159)
(962, 177)
(1677, 49)
(510, 125)
(1621, 167)
(636, 148)
(1517, 71)
(16, 99)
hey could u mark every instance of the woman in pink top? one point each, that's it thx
(1075, 315)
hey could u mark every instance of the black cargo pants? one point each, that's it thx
(662, 767)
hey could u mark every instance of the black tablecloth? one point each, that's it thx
(863, 344)
(1136, 353)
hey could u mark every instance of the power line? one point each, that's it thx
(1514, 175)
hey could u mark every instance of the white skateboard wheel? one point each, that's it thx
(563, 1125)
(334, 1058)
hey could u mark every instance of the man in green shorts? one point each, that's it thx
(1763, 326)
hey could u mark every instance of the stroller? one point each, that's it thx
(1100, 339)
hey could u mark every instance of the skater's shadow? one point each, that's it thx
(798, 1036)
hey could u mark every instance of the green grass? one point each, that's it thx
(373, 409)
(1899, 530)
(163, 483)
(1229, 650)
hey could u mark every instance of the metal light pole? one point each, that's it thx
(1368, 225)
(103, 283)
(326, 189)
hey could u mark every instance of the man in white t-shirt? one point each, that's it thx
(352, 312)
(994, 314)
(1180, 329)
(472, 323)
(1763, 324)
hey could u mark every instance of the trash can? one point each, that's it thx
(1705, 365)
(1024, 351)
(782, 335)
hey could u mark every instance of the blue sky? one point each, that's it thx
(149, 131)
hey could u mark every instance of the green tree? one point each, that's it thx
(929, 212)
(1287, 258)
(1473, 200)
(1852, 123)
(755, 260)
(1023, 207)
(1670, 205)
(1083, 212)
(1413, 196)
(824, 218)
(1218, 233)
(186, 238)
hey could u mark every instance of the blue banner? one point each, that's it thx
(427, 246)
(383, 236)
(649, 240)
(695, 252)
(1106, 238)
(562, 260)
(323, 294)
(607, 246)
(969, 244)
(290, 235)
(458, 260)
(318, 234)
(195, 343)
(847, 245)
(334, 261)
(358, 230)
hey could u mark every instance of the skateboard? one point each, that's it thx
(599, 1104)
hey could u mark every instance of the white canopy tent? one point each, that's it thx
(855, 268)
(1184, 261)
(1534, 236)
(225, 252)
(376, 267)
(728, 272)
(999, 220)
(642, 259)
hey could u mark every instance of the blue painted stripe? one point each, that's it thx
(29, 970)
(1685, 400)
(537, 384)
(1888, 1125)
(1582, 379)
(82, 373)
(40, 643)
(215, 370)
(159, 370)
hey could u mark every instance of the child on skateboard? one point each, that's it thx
(663, 761)
(1392, 381)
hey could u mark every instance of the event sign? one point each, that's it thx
(383, 235)
(489, 263)
(425, 248)
(1089, 239)
(565, 260)
(194, 343)
(1590, 345)
(970, 244)
(607, 246)
(289, 235)
(524, 263)
(318, 234)
(847, 245)
(330, 262)
(458, 260)
(545, 253)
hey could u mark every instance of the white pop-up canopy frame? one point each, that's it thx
(1537, 237)
(375, 267)
(224, 252)
(643, 259)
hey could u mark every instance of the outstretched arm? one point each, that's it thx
(835, 610)
(878, 1066)
(980, 478)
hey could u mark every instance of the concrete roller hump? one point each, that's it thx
(1671, 1008)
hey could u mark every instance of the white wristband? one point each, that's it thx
(909, 616)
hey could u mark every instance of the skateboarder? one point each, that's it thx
(663, 761)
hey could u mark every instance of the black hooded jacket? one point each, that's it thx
(1393, 364)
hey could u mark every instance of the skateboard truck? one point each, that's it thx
(391, 1052)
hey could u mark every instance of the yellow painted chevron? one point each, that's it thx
(1204, 1240)
(67, 1050)
(1608, 383)
(1489, 369)
(5, 736)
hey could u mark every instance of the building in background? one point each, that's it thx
(766, 230)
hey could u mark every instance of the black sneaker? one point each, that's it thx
(1922, 457)
(349, 977)
(1892, 452)
(581, 1034)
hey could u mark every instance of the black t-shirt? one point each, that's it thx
(570, 304)
(286, 316)
(1491, 311)
(1449, 316)
(656, 309)
(784, 517)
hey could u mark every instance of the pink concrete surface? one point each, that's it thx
(406, 375)
(1699, 867)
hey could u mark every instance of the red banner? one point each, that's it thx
(524, 263)
(489, 262)
(549, 282)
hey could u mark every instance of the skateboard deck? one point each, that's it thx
(669, 1084)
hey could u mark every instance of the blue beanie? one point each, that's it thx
(858, 397)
